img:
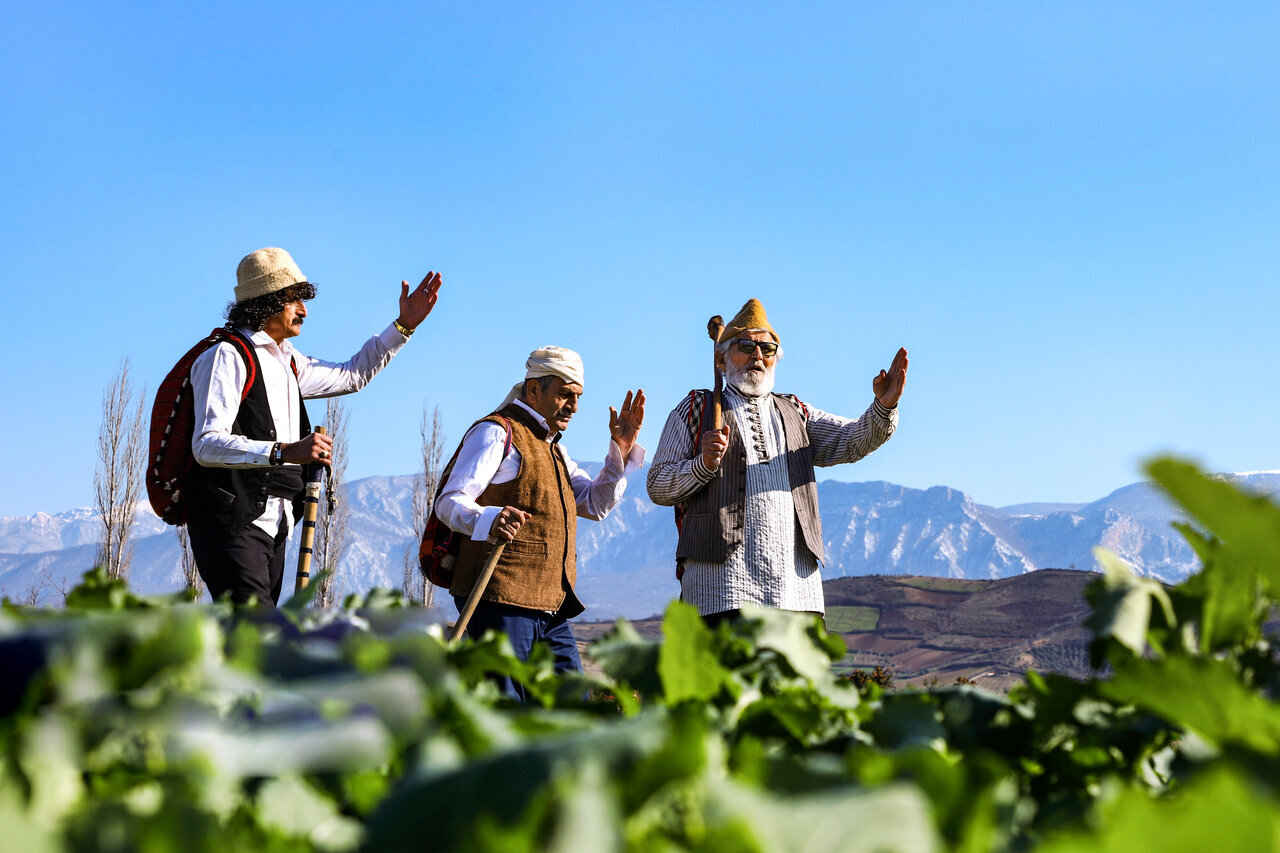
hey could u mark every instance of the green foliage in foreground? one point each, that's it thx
(136, 723)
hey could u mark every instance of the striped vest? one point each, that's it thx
(712, 521)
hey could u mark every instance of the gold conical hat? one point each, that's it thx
(751, 317)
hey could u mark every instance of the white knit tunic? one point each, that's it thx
(773, 567)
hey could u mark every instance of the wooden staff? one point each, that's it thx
(714, 327)
(476, 591)
(314, 475)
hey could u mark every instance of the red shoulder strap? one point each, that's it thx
(242, 346)
(506, 444)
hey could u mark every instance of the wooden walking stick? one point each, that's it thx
(478, 590)
(313, 474)
(714, 327)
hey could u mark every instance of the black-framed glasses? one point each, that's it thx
(768, 349)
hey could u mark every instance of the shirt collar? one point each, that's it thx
(552, 435)
(261, 339)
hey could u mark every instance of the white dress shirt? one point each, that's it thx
(217, 382)
(481, 462)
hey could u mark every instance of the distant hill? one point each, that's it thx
(990, 631)
(626, 565)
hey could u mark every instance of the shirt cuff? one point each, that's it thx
(701, 472)
(391, 337)
(635, 459)
(484, 523)
(881, 409)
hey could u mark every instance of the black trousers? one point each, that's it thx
(248, 563)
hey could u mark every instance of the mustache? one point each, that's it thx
(563, 413)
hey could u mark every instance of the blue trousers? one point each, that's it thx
(524, 628)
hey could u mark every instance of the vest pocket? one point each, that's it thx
(527, 547)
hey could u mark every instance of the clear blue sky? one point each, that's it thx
(1067, 212)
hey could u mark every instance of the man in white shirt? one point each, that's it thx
(512, 479)
(252, 432)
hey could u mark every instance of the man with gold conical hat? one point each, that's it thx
(746, 494)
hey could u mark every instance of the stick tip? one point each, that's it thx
(714, 327)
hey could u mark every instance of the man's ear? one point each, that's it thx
(720, 360)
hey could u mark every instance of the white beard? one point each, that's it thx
(750, 384)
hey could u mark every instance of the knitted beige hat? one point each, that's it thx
(265, 271)
(751, 318)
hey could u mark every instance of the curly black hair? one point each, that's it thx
(255, 312)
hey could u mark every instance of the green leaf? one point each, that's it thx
(790, 635)
(1221, 811)
(1246, 524)
(687, 664)
(303, 598)
(1122, 603)
(291, 806)
(1201, 694)
(849, 820)
(629, 659)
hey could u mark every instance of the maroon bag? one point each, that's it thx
(439, 547)
(172, 423)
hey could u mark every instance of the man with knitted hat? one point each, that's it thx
(746, 494)
(252, 432)
(511, 478)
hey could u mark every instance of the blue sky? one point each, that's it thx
(1067, 212)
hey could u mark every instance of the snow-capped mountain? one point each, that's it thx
(625, 563)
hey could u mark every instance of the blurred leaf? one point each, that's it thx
(586, 813)
(291, 806)
(1221, 811)
(851, 820)
(1122, 603)
(790, 635)
(303, 598)
(687, 663)
(1248, 525)
(629, 659)
(1201, 694)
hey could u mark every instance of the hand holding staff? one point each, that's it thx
(313, 473)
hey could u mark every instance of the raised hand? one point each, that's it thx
(888, 385)
(624, 426)
(415, 306)
(714, 444)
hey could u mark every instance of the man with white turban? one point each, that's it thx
(512, 479)
(746, 494)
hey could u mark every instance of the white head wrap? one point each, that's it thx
(547, 361)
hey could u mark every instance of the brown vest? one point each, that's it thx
(713, 517)
(537, 570)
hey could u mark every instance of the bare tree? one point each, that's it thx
(58, 585)
(331, 526)
(117, 481)
(417, 588)
(190, 573)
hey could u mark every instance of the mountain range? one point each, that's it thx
(625, 563)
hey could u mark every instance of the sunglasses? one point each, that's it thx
(768, 349)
